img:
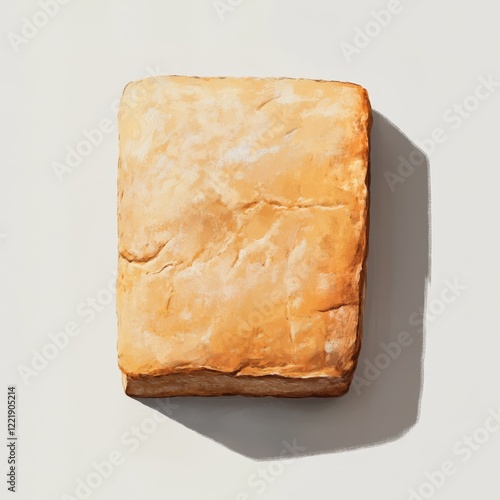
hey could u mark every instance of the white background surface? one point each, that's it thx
(58, 248)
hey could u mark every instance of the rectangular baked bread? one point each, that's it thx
(242, 223)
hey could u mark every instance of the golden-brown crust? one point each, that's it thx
(242, 219)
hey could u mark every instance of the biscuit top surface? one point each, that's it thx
(242, 225)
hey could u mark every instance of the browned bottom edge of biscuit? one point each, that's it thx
(209, 383)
